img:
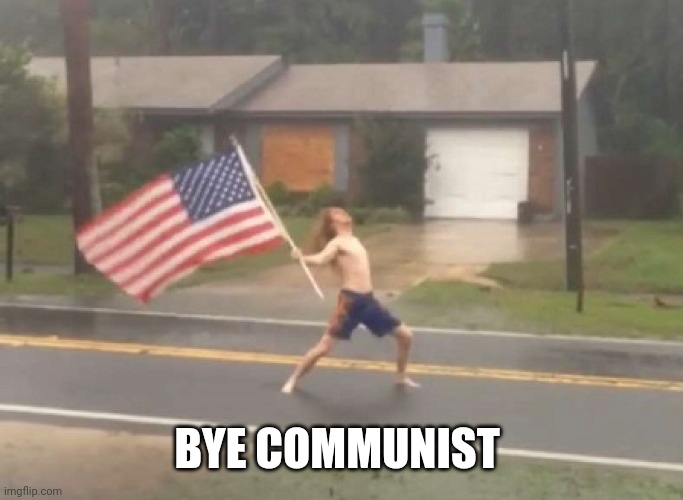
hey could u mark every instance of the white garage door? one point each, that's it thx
(476, 173)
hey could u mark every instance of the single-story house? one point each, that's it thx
(493, 129)
(162, 92)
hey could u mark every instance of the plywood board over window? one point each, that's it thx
(301, 157)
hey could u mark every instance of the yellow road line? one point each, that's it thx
(54, 342)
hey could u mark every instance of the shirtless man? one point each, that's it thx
(334, 244)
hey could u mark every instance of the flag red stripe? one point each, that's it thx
(150, 293)
(200, 258)
(163, 236)
(206, 250)
(106, 217)
(193, 238)
(116, 209)
(135, 220)
(145, 249)
(218, 255)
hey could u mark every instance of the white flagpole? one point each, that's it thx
(256, 184)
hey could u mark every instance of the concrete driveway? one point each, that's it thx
(462, 249)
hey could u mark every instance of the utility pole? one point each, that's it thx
(572, 198)
(75, 15)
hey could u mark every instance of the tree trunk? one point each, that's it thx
(502, 29)
(80, 112)
(162, 26)
(212, 32)
(671, 77)
(663, 42)
(96, 189)
(675, 62)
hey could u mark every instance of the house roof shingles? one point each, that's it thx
(166, 82)
(417, 88)
(260, 85)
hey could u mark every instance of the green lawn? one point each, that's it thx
(459, 305)
(643, 259)
(622, 278)
(511, 480)
(44, 258)
(646, 257)
(43, 240)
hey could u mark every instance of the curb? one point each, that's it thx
(16, 314)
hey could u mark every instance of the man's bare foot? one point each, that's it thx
(407, 382)
(288, 387)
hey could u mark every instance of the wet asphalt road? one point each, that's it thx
(615, 422)
(634, 424)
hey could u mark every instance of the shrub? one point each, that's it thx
(123, 173)
(389, 216)
(32, 140)
(44, 186)
(279, 194)
(177, 147)
(360, 214)
(304, 209)
(394, 165)
(324, 196)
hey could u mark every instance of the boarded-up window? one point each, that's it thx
(301, 157)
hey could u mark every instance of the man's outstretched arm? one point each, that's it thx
(326, 256)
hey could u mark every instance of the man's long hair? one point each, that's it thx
(322, 232)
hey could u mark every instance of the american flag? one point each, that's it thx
(171, 226)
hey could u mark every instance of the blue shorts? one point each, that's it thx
(354, 309)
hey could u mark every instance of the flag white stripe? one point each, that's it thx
(148, 278)
(222, 253)
(146, 260)
(167, 282)
(105, 245)
(132, 248)
(154, 273)
(110, 223)
(197, 227)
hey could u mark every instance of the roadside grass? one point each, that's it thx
(44, 259)
(646, 257)
(643, 260)
(57, 284)
(43, 240)
(512, 480)
(460, 305)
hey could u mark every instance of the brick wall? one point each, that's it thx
(543, 166)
